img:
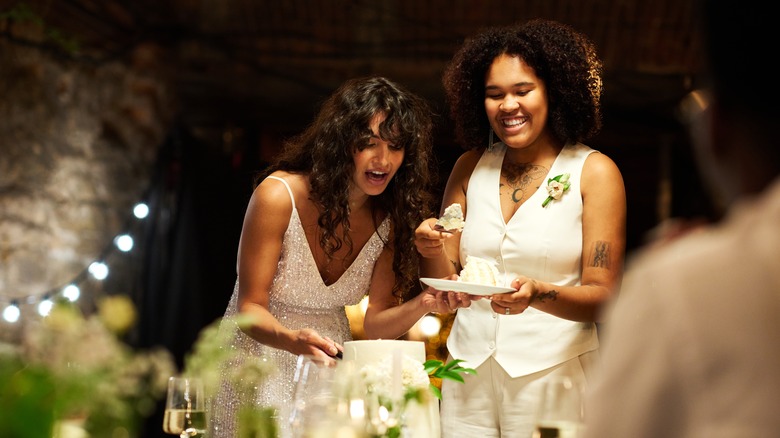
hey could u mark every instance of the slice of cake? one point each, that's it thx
(480, 271)
(452, 219)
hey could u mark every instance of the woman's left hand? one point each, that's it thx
(513, 303)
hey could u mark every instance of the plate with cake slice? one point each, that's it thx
(479, 276)
(462, 286)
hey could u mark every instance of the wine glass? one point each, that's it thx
(315, 398)
(561, 409)
(185, 408)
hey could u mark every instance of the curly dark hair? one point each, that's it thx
(564, 59)
(324, 151)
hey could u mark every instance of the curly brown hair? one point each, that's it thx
(564, 59)
(324, 150)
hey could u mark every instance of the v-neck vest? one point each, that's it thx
(544, 243)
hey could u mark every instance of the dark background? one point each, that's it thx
(248, 74)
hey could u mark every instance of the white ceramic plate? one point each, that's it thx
(461, 286)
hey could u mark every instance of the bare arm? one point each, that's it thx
(385, 318)
(265, 223)
(441, 251)
(603, 249)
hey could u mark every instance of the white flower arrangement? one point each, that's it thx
(378, 378)
(72, 367)
(415, 386)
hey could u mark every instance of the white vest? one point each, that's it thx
(541, 243)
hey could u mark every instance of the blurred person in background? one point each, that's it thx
(691, 347)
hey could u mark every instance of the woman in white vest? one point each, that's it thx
(547, 209)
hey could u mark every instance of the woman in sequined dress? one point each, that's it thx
(332, 220)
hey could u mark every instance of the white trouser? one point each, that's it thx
(492, 404)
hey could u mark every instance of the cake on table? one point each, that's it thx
(422, 420)
(369, 351)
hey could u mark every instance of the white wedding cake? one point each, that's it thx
(422, 420)
(369, 351)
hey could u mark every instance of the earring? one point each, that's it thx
(490, 141)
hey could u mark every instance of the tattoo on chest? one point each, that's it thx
(521, 177)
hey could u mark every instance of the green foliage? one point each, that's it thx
(213, 359)
(452, 371)
(211, 355)
(22, 13)
(69, 367)
(27, 399)
(257, 422)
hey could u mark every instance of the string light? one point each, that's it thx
(71, 292)
(124, 242)
(44, 307)
(11, 312)
(141, 210)
(98, 269)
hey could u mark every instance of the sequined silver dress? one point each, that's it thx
(298, 299)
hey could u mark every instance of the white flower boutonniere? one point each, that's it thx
(556, 187)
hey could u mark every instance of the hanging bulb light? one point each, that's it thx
(71, 292)
(11, 312)
(44, 307)
(141, 210)
(124, 242)
(99, 270)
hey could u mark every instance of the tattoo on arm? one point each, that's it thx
(599, 257)
(552, 295)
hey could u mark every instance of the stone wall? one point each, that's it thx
(78, 140)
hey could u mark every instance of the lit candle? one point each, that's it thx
(397, 379)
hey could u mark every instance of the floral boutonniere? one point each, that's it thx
(556, 187)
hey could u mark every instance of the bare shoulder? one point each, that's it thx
(298, 183)
(458, 181)
(469, 159)
(600, 170)
(465, 165)
(272, 196)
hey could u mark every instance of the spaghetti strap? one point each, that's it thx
(288, 188)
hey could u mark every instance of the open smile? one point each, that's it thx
(376, 177)
(513, 122)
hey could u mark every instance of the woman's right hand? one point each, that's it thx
(428, 241)
(308, 341)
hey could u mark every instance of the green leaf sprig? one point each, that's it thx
(451, 370)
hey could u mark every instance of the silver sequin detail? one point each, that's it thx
(298, 299)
